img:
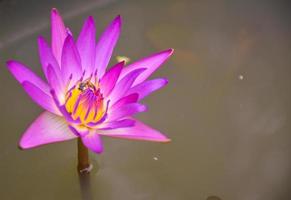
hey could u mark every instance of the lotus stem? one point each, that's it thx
(84, 165)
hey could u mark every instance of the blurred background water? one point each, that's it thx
(226, 108)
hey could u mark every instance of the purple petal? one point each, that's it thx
(46, 56)
(145, 88)
(125, 111)
(106, 45)
(86, 45)
(56, 82)
(139, 131)
(124, 85)
(151, 63)
(59, 34)
(69, 32)
(132, 98)
(40, 97)
(93, 142)
(47, 128)
(22, 73)
(116, 124)
(109, 80)
(79, 131)
(71, 64)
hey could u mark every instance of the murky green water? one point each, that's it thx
(227, 107)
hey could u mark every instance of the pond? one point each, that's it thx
(226, 107)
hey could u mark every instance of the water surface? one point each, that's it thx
(226, 108)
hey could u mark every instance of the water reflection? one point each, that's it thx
(85, 186)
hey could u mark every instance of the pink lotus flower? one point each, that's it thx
(80, 97)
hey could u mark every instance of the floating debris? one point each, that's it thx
(213, 198)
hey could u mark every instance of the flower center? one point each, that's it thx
(85, 102)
